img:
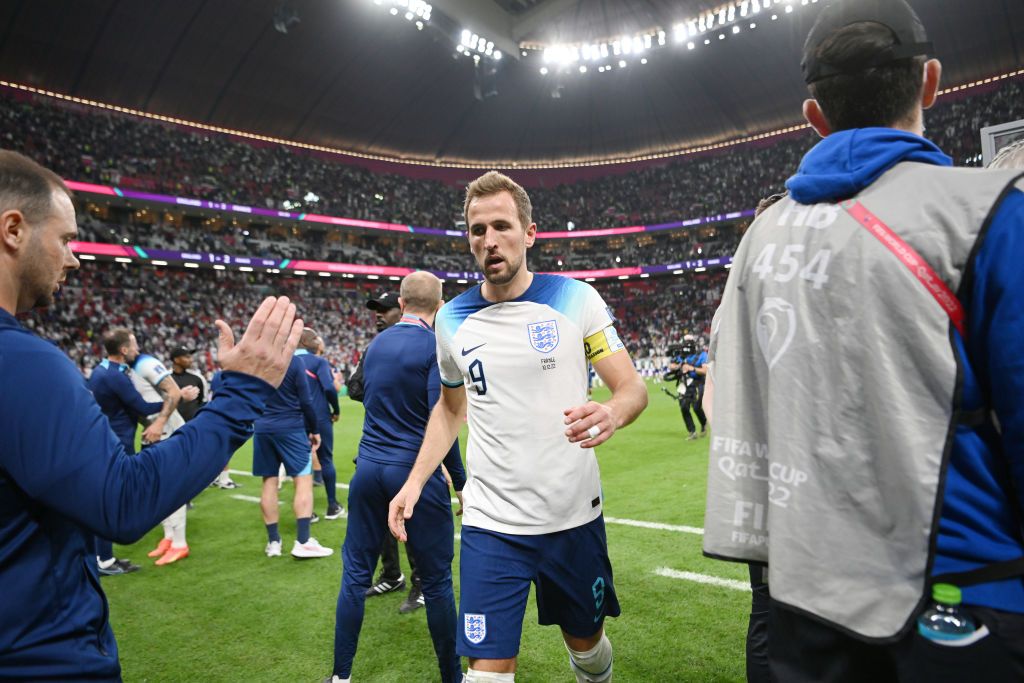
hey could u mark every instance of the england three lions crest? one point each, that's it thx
(543, 336)
(475, 626)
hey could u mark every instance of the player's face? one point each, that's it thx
(48, 256)
(496, 237)
(185, 362)
(131, 352)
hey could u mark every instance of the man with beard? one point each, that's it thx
(515, 350)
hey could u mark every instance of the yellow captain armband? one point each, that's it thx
(602, 344)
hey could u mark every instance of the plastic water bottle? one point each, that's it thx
(944, 619)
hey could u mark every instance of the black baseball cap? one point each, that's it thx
(385, 301)
(181, 351)
(911, 40)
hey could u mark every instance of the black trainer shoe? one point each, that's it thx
(414, 600)
(334, 512)
(119, 567)
(386, 586)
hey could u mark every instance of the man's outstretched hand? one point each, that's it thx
(268, 344)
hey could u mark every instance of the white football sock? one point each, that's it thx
(474, 676)
(595, 664)
(174, 527)
(105, 564)
(223, 477)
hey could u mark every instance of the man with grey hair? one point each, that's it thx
(401, 384)
(868, 410)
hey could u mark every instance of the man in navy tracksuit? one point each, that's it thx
(325, 405)
(124, 406)
(64, 475)
(402, 384)
(287, 435)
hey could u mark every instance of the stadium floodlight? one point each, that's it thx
(735, 29)
(218, 266)
(622, 63)
(245, 269)
(497, 54)
(690, 45)
(583, 69)
(644, 60)
(191, 265)
(543, 71)
(155, 262)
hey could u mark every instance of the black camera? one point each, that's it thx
(683, 350)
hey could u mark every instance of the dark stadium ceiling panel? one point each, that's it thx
(349, 74)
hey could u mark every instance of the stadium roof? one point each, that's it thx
(353, 75)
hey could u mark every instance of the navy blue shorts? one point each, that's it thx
(292, 449)
(570, 568)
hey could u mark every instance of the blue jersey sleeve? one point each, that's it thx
(996, 328)
(60, 451)
(323, 374)
(303, 389)
(131, 398)
(453, 460)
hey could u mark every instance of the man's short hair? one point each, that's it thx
(1011, 156)
(115, 339)
(308, 339)
(421, 292)
(880, 96)
(492, 183)
(27, 187)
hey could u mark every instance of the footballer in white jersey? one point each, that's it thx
(513, 358)
(153, 380)
(523, 362)
(147, 375)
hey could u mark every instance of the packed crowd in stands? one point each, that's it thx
(168, 307)
(85, 144)
(432, 253)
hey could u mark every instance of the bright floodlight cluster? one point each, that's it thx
(730, 18)
(416, 11)
(477, 46)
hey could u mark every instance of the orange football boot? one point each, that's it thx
(173, 555)
(162, 547)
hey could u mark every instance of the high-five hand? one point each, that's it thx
(268, 344)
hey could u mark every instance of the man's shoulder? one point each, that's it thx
(24, 356)
(454, 313)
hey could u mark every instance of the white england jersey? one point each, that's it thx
(523, 363)
(147, 373)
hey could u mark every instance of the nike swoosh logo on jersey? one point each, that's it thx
(466, 352)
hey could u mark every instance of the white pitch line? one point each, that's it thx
(248, 499)
(655, 525)
(702, 578)
(243, 473)
(609, 520)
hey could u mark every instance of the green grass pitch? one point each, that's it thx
(228, 613)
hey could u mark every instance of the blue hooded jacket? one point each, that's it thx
(982, 507)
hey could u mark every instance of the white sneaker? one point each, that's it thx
(309, 549)
(273, 549)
